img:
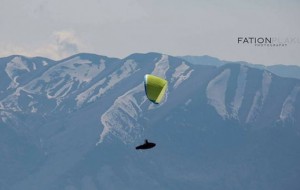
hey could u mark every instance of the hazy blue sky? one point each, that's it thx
(117, 28)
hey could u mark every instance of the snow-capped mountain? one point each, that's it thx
(74, 123)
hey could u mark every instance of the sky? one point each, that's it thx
(117, 28)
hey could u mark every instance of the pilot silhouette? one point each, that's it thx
(146, 145)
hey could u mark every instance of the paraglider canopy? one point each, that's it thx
(155, 88)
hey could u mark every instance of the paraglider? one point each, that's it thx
(155, 88)
(146, 145)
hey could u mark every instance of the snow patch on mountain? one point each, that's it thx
(239, 92)
(81, 70)
(266, 83)
(180, 74)
(11, 103)
(288, 107)
(5, 116)
(181, 69)
(162, 66)
(216, 91)
(188, 102)
(32, 104)
(33, 109)
(255, 108)
(260, 97)
(9, 118)
(120, 119)
(45, 63)
(61, 92)
(12, 70)
(34, 66)
(125, 71)
(8, 103)
(84, 96)
(16, 64)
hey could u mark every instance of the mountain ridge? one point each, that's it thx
(80, 119)
(289, 71)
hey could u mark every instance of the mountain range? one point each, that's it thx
(73, 124)
(289, 71)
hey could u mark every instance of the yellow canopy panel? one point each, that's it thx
(155, 88)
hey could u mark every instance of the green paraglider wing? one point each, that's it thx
(155, 88)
